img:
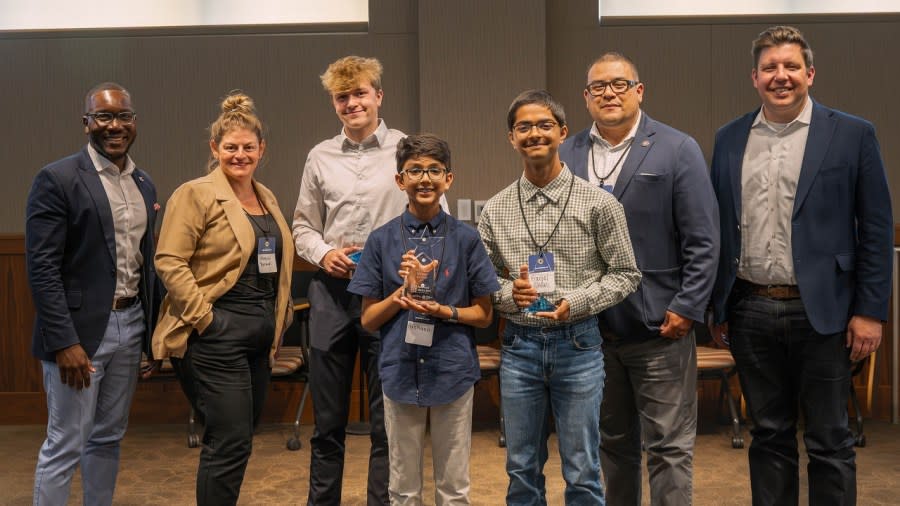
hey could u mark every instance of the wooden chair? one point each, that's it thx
(489, 361)
(718, 364)
(856, 369)
(290, 366)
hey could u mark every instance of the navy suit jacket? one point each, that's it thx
(841, 225)
(673, 222)
(70, 250)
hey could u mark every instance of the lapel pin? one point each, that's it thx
(645, 143)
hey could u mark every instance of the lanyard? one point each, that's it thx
(540, 247)
(265, 230)
(616, 166)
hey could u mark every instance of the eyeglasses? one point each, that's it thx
(416, 173)
(105, 118)
(618, 86)
(525, 127)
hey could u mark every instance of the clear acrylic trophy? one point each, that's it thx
(421, 279)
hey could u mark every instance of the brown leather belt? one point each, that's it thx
(123, 303)
(777, 292)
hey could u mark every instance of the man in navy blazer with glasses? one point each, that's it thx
(89, 253)
(659, 176)
(804, 274)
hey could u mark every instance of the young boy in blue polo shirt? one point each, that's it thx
(428, 359)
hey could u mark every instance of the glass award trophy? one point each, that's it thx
(421, 280)
(540, 305)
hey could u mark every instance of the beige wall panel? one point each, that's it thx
(474, 58)
(177, 83)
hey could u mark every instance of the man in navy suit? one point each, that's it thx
(89, 246)
(660, 177)
(804, 273)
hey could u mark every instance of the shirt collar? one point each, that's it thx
(415, 226)
(553, 191)
(804, 119)
(102, 163)
(376, 139)
(598, 139)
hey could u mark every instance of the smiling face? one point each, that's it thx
(424, 193)
(536, 134)
(113, 139)
(611, 110)
(238, 153)
(782, 80)
(358, 110)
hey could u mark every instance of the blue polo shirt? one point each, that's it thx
(443, 372)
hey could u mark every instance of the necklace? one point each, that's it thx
(602, 179)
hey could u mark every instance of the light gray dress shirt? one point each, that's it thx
(129, 213)
(595, 266)
(769, 175)
(606, 156)
(346, 191)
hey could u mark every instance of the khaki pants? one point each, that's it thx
(451, 441)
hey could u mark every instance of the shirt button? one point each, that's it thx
(421, 360)
(736, 261)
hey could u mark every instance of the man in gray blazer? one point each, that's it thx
(660, 177)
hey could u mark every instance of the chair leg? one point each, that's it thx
(860, 439)
(193, 437)
(294, 444)
(737, 441)
(501, 442)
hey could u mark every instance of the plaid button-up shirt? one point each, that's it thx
(595, 266)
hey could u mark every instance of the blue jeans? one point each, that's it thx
(85, 426)
(558, 368)
(783, 364)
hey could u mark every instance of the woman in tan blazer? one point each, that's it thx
(225, 254)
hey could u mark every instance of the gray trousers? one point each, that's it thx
(650, 397)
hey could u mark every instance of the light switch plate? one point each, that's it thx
(479, 206)
(464, 209)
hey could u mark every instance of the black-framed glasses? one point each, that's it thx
(105, 118)
(618, 86)
(525, 127)
(417, 173)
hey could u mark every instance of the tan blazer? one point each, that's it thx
(205, 243)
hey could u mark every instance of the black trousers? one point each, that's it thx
(225, 374)
(783, 364)
(337, 336)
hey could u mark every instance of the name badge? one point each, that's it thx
(607, 187)
(265, 255)
(419, 329)
(542, 272)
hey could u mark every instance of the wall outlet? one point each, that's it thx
(479, 206)
(464, 209)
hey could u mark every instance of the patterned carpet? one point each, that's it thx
(158, 468)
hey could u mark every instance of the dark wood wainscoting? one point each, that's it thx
(22, 397)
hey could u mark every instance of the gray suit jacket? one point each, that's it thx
(673, 221)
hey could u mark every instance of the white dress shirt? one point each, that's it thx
(769, 175)
(129, 213)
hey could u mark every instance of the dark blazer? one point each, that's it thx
(70, 250)
(841, 226)
(673, 222)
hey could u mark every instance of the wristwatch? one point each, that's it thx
(454, 314)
